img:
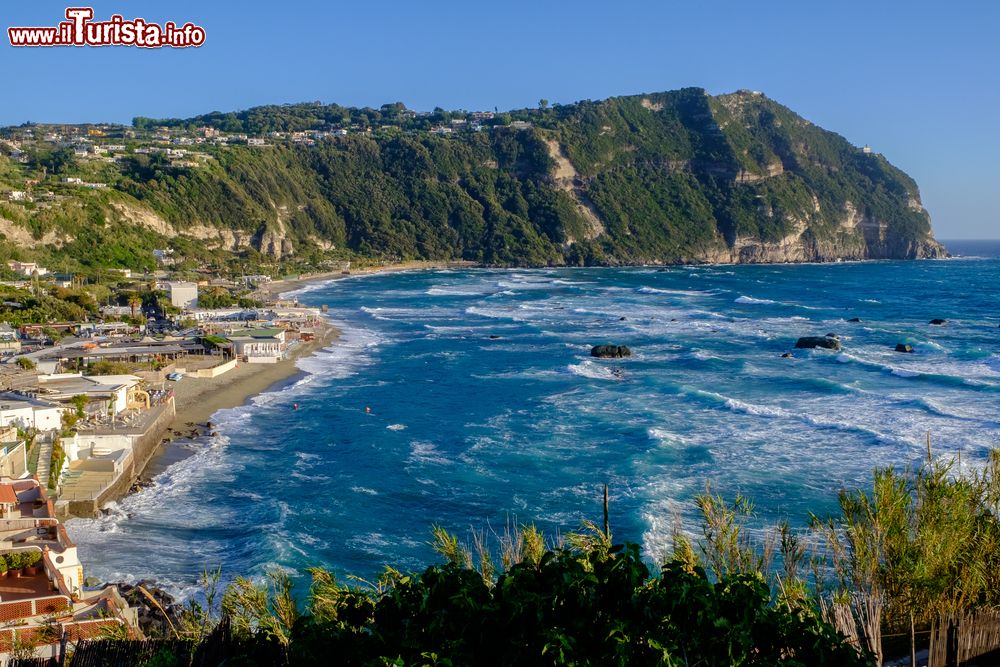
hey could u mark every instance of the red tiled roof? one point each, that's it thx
(7, 494)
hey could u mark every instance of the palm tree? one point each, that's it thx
(134, 302)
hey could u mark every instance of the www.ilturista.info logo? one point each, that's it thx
(81, 30)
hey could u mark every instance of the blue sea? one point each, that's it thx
(486, 408)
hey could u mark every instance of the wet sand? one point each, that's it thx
(197, 399)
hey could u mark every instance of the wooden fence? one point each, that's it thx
(215, 649)
(957, 639)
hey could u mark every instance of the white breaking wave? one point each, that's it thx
(589, 369)
(459, 290)
(752, 300)
(672, 292)
(427, 452)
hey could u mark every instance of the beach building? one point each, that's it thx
(107, 455)
(235, 314)
(106, 394)
(259, 346)
(42, 595)
(292, 315)
(146, 350)
(183, 295)
(24, 411)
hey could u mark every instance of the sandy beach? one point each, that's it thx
(197, 399)
(273, 289)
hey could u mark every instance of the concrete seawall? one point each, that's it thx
(143, 446)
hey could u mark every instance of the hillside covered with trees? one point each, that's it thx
(663, 178)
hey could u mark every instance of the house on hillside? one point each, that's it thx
(26, 268)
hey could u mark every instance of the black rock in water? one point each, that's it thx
(812, 342)
(610, 351)
(788, 355)
(854, 319)
(938, 322)
(151, 619)
(903, 347)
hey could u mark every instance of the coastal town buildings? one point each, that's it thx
(259, 346)
(25, 412)
(43, 600)
(105, 394)
(183, 295)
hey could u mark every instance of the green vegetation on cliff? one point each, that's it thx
(669, 177)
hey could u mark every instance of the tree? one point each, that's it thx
(134, 302)
(79, 402)
(25, 363)
(543, 103)
(57, 161)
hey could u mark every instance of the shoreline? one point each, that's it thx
(197, 404)
(197, 399)
(276, 288)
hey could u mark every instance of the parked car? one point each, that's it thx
(174, 377)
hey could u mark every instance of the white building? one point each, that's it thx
(26, 412)
(259, 346)
(183, 295)
(9, 341)
(164, 256)
(109, 393)
(13, 458)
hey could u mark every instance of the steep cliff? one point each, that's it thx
(662, 178)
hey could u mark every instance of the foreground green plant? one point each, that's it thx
(588, 602)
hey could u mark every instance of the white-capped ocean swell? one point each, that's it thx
(484, 403)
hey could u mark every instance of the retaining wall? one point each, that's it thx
(143, 447)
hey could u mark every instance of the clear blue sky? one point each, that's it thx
(918, 80)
